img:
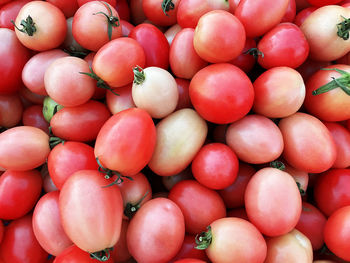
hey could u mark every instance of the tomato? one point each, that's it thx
(80, 123)
(258, 17)
(233, 195)
(238, 212)
(323, 2)
(10, 11)
(234, 240)
(15, 57)
(308, 144)
(23, 148)
(73, 254)
(325, 99)
(215, 166)
(124, 101)
(188, 250)
(284, 45)
(170, 181)
(136, 11)
(19, 192)
(48, 185)
(122, 7)
(67, 158)
(160, 12)
(82, 2)
(156, 232)
(219, 36)
(69, 44)
(126, 27)
(81, 196)
(47, 225)
(199, 205)
(68, 7)
(179, 137)
(245, 61)
(11, 110)
(126, 141)
(214, 96)
(2, 228)
(154, 44)
(171, 32)
(275, 98)
(311, 224)
(189, 260)
(45, 26)
(184, 97)
(329, 43)
(34, 70)
(300, 177)
(303, 14)
(284, 209)
(28, 97)
(65, 83)
(33, 116)
(19, 244)
(290, 12)
(309, 67)
(120, 252)
(95, 24)
(115, 60)
(290, 247)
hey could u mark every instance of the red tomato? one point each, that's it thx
(28, 97)
(124, 101)
(323, 2)
(48, 185)
(283, 45)
(15, 56)
(215, 166)
(68, 7)
(23, 148)
(47, 225)
(258, 17)
(311, 224)
(308, 144)
(284, 209)
(184, 96)
(120, 252)
(81, 196)
(171, 32)
(221, 93)
(160, 12)
(1, 230)
(199, 205)
(122, 7)
(303, 14)
(19, 243)
(10, 11)
(33, 116)
(290, 12)
(126, 27)
(100, 92)
(68, 158)
(95, 24)
(19, 192)
(163, 227)
(45, 26)
(309, 67)
(188, 250)
(154, 44)
(80, 123)
(126, 141)
(73, 254)
(219, 36)
(111, 2)
(11, 110)
(189, 260)
(245, 61)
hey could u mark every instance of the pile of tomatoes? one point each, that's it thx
(180, 131)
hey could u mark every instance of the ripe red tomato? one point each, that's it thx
(159, 12)
(290, 12)
(9, 12)
(73, 254)
(68, 7)
(245, 61)
(188, 250)
(303, 14)
(120, 252)
(124, 101)
(11, 110)
(33, 116)
(323, 2)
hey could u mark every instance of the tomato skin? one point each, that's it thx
(19, 192)
(68, 7)
(124, 101)
(258, 17)
(188, 250)
(323, 2)
(171, 32)
(156, 232)
(11, 110)
(189, 260)
(2, 228)
(309, 67)
(126, 141)
(154, 44)
(290, 12)
(80, 123)
(47, 225)
(184, 97)
(153, 11)
(308, 144)
(9, 12)
(19, 244)
(199, 205)
(33, 116)
(81, 196)
(120, 252)
(28, 97)
(16, 57)
(283, 213)
(18, 152)
(245, 61)
(303, 14)
(73, 254)
(214, 96)
(67, 158)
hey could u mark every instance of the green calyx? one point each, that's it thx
(342, 82)
(28, 26)
(301, 190)
(102, 255)
(110, 173)
(254, 52)
(139, 75)
(203, 240)
(112, 21)
(131, 209)
(278, 165)
(344, 28)
(167, 5)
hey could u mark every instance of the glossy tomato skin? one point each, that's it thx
(47, 225)
(124, 101)
(19, 244)
(81, 196)
(199, 205)
(80, 123)
(15, 57)
(283, 213)
(126, 141)
(33, 116)
(290, 12)
(68, 7)
(11, 110)
(245, 61)
(9, 12)
(184, 97)
(19, 192)
(308, 144)
(120, 252)
(153, 11)
(258, 17)
(73, 254)
(323, 2)
(154, 44)
(23, 148)
(303, 14)
(221, 93)
(284, 45)
(188, 250)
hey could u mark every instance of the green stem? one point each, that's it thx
(139, 75)
(102, 255)
(28, 26)
(112, 21)
(53, 141)
(203, 240)
(254, 52)
(75, 53)
(131, 209)
(167, 5)
(342, 82)
(301, 190)
(278, 165)
(343, 28)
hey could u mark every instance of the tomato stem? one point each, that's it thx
(131, 209)
(112, 21)
(28, 26)
(254, 52)
(342, 82)
(343, 28)
(203, 240)
(75, 53)
(167, 5)
(102, 255)
(139, 75)
(278, 165)
(301, 190)
(53, 141)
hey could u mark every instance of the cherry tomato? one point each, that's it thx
(188, 250)
(11, 110)
(68, 7)
(73, 254)
(122, 101)
(10, 11)
(33, 116)
(245, 61)
(303, 14)
(160, 12)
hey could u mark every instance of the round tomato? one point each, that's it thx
(245, 61)
(120, 252)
